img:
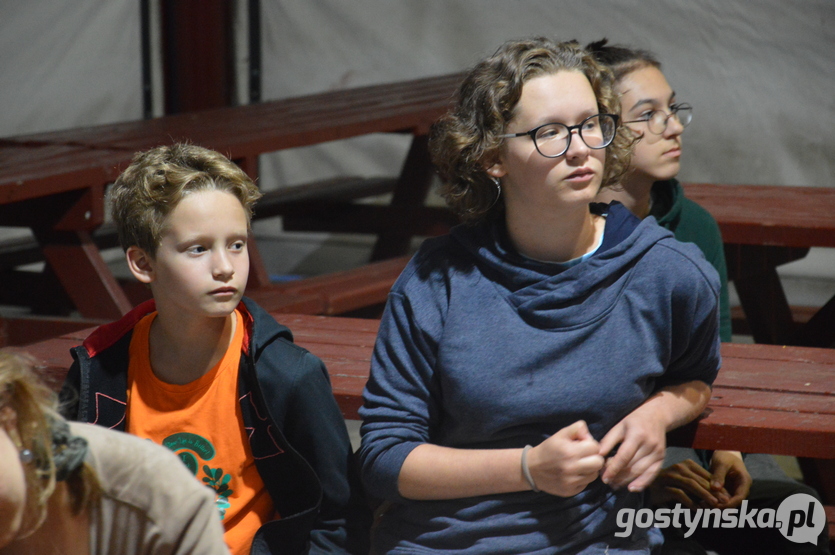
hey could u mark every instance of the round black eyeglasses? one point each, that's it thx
(552, 140)
(657, 119)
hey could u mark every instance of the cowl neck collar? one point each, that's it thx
(551, 296)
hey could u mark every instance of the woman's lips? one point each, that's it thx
(581, 175)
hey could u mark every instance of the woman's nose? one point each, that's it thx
(578, 147)
(674, 127)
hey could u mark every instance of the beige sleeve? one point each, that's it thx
(151, 504)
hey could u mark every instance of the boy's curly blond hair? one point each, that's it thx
(157, 180)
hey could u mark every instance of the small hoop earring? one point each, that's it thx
(26, 456)
(498, 190)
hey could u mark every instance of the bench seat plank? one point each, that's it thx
(777, 401)
(778, 353)
(797, 434)
(782, 376)
(747, 415)
(339, 292)
(311, 325)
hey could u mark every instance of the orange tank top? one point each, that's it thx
(202, 422)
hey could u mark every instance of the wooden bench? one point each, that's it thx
(767, 399)
(339, 292)
(336, 293)
(363, 288)
(54, 183)
(773, 399)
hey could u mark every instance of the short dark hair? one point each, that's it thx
(622, 60)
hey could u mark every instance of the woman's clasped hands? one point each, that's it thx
(571, 459)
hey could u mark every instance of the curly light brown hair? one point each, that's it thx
(465, 142)
(157, 180)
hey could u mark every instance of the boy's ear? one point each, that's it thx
(140, 264)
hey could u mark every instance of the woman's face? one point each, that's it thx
(12, 481)
(655, 157)
(531, 182)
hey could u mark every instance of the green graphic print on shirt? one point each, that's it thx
(191, 446)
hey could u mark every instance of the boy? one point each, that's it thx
(210, 374)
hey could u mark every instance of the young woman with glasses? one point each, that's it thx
(529, 364)
(719, 479)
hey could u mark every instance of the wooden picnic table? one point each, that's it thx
(763, 227)
(766, 399)
(54, 182)
(770, 399)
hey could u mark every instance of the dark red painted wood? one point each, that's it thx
(767, 399)
(770, 215)
(35, 167)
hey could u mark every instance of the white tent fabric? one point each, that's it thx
(67, 64)
(759, 73)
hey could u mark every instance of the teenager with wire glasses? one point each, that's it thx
(718, 479)
(529, 364)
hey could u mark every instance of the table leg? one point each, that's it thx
(62, 224)
(409, 195)
(820, 474)
(76, 261)
(766, 308)
(752, 268)
(258, 276)
(819, 331)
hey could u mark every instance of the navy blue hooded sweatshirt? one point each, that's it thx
(480, 347)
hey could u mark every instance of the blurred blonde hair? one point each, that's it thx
(34, 406)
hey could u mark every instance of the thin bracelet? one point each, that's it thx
(526, 472)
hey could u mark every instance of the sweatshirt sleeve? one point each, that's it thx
(695, 352)
(697, 226)
(716, 257)
(69, 396)
(148, 501)
(402, 400)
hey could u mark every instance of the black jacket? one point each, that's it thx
(300, 442)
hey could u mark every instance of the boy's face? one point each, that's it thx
(202, 264)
